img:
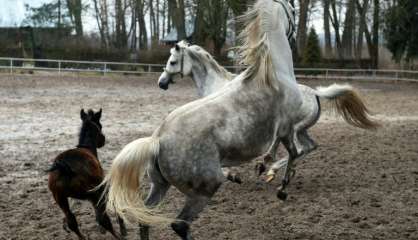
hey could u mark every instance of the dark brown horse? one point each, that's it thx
(75, 172)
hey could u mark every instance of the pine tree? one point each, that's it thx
(312, 51)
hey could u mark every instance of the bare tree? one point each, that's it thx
(335, 20)
(302, 25)
(120, 28)
(327, 30)
(362, 10)
(177, 15)
(102, 18)
(75, 8)
(348, 32)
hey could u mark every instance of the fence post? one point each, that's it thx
(104, 69)
(11, 66)
(149, 68)
(59, 67)
(326, 74)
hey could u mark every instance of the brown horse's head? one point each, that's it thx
(91, 129)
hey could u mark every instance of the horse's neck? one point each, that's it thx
(208, 81)
(283, 66)
(85, 141)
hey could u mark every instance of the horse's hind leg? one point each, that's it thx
(159, 188)
(69, 219)
(193, 206)
(102, 218)
(122, 227)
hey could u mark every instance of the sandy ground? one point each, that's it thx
(357, 185)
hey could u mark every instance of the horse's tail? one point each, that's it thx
(61, 167)
(124, 179)
(347, 102)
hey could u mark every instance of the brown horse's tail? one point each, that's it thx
(62, 167)
(347, 102)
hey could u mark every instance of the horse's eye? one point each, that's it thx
(173, 63)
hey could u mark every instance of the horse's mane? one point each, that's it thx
(199, 54)
(255, 50)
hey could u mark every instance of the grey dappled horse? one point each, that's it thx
(227, 128)
(209, 77)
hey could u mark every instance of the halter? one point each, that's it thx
(181, 66)
(291, 17)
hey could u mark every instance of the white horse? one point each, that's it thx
(209, 77)
(231, 126)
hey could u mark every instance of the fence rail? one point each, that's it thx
(12, 65)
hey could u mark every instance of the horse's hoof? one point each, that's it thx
(64, 226)
(292, 173)
(235, 178)
(282, 195)
(123, 233)
(270, 178)
(268, 158)
(260, 168)
(102, 230)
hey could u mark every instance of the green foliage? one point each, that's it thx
(401, 29)
(47, 15)
(312, 51)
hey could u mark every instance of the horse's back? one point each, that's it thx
(226, 128)
(75, 172)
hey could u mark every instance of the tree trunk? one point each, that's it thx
(75, 9)
(328, 43)
(376, 22)
(347, 38)
(177, 11)
(143, 36)
(200, 34)
(164, 17)
(336, 25)
(99, 23)
(157, 22)
(121, 37)
(362, 10)
(303, 18)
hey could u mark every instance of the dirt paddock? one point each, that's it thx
(357, 185)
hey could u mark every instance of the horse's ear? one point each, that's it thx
(83, 114)
(98, 115)
(177, 47)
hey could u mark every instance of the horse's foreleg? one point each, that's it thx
(290, 146)
(271, 156)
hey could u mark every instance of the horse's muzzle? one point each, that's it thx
(163, 86)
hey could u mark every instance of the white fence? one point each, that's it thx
(13, 65)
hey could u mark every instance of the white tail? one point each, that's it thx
(124, 180)
(348, 104)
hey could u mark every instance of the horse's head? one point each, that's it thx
(178, 64)
(92, 127)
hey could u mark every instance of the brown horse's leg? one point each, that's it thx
(102, 218)
(69, 216)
